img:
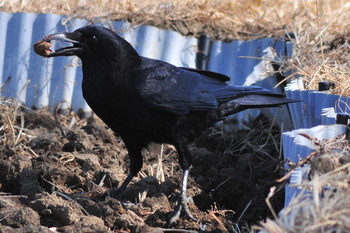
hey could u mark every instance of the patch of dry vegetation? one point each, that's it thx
(12, 132)
(324, 202)
(224, 19)
(322, 206)
(322, 50)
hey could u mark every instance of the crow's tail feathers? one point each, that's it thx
(252, 101)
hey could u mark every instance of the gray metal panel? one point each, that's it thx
(308, 113)
(245, 62)
(40, 82)
(35, 80)
(296, 147)
(329, 116)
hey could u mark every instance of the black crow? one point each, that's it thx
(145, 100)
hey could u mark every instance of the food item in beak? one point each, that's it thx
(42, 47)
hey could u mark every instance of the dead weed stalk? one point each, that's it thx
(323, 205)
(321, 49)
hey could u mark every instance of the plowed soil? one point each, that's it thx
(55, 170)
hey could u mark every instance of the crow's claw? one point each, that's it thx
(182, 205)
(116, 192)
(113, 192)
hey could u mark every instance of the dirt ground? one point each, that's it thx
(54, 171)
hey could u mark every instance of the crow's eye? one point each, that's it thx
(93, 40)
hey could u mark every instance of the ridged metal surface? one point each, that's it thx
(296, 147)
(315, 116)
(313, 108)
(40, 82)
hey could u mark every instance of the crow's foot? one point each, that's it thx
(113, 192)
(182, 205)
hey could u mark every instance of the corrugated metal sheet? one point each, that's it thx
(296, 147)
(329, 116)
(318, 109)
(40, 82)
(247, 61)
(311, 110)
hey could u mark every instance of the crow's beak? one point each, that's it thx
(42, 47)
(72, 37)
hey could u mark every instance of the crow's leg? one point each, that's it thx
(182, 202)
(115, 192)
(185, 162)
(135, 166)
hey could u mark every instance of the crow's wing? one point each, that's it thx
(181, 90)
(211, 74)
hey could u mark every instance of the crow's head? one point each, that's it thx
(88, 42)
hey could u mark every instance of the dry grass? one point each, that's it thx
(220, 217)
(322, 52)
(15, 131)
(224, 19)
(12, 133)
(324, 203)
(323, 206)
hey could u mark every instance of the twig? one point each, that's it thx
(8, 213)
(217, 187)
(243, 212)
(76, 203)
(160, 230)
(20, 131)
(6, 195)
(300, 163)
(269, 196)
(53, 185)
(33, 152)
(102, 180)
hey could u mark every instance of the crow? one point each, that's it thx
(145, 100)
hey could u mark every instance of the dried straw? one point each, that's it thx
(223, 19)
(324, 203)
